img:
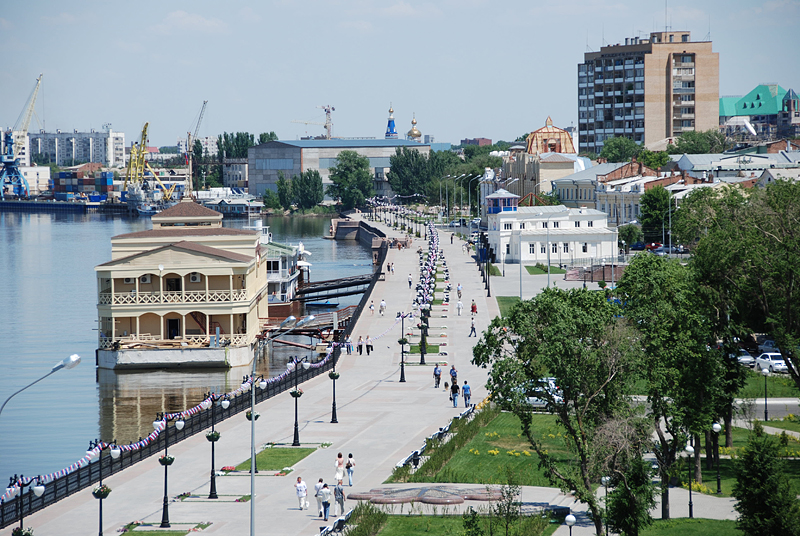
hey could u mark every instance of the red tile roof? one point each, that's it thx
(187, 231)
(189, 246)
(186, 209)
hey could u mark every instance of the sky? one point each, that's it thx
(466, 69)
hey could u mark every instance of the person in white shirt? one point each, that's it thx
(317, 488)
(459, 307)
(325, 493)
(302, 492)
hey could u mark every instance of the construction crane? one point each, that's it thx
(137, 165)
(14, 141)
(190, 141)
(328, 124)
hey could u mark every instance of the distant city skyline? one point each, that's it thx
(466, 69)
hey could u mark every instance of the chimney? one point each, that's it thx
(627, 41)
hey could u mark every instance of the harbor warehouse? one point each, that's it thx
(266, 161)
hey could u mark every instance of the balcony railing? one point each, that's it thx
(107, 343)
(189, 296)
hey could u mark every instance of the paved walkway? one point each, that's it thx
(380, 421)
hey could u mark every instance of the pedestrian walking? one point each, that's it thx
(369, 345)
(338, 496)
(339, 465)
(454, 394)
(392, 268)
(382, 307)
(317, 489)
(472, 328)
(348, 345)
(467, 392)
(474, 308)
(459, 288)
(389, 268)
(302, 492)
(459, 307)
(350, 466)
(372, 308)
(325, 494)
(453, 374)
(437, 376)
(410, 280)
(360, 345)
(447, 388)
(452, 235)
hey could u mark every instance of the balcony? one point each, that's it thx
(171, 297)
(113, 343)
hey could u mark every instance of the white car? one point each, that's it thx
(536, 394)
(769, 347)
(771, 361)
(744, 358)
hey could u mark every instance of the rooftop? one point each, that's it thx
(166, 232)
(343, 144)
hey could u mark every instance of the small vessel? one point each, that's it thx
(327, 304)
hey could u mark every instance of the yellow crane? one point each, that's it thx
(137, 165)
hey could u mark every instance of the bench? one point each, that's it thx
(382, 276)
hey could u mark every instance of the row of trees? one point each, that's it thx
(622, 149)
(670, 329)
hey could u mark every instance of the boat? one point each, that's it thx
(327, 304)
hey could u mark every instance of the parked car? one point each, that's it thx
(768, 346)
(539, 394)
(744, 358)
(638, 246)
(659, 251)
(771, 361)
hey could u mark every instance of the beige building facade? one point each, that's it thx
(647, 90)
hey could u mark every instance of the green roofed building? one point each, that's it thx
(762, 114)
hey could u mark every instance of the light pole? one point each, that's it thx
(293, 364)
(716, 428)
(115, 453)
(402, 317)
(68, 363)
(690, 451)
(214, 401)
(765, 372)
(334, 376)
(547, 226)
(605, 481)
(570, 520)
(469, 194)
(292, 323)
(166, 418)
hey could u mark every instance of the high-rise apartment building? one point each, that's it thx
(647, 90)
(69, 148)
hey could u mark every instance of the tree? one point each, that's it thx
(630, 234)
(307, 189)
(766, 502)
(631, 500)
(683, 373)
(578, 337)
(266, 137)
(271, 200)
(409, 171)
(351, 179)
(653, 160)
(284, 191)
(703, 142)
(655, 205)
(234, 145)
(619, 149)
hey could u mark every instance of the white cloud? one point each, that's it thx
(181, 20)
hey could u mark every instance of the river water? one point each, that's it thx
(48, 311)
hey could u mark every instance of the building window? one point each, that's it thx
(555, 225)
(591, 222)
(508, 249)
(585, 247)
(522, 225)
(543, 249)
(554, 247)
(507, 226)
(566, 247)
(544, 225)
(577, 224)
(532, 248)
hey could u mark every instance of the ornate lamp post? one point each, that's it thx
(716, 427)
(213, 400)
(570, 520)
(166, 460)
(402, 317)
(68, 363)
(101, 491)
(333, 375)
(424, 313)
(296, 394)
(765, 372)
(690, 451)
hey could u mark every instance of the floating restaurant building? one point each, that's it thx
(188, 292)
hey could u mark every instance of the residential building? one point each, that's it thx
(580, 189)
(647, 90)
(187, 292)
(546, 234)
(234, 173)
(477, 141)
(723, 165)
(292, 157)
(67, 148)
(768, 112)
(209, 144)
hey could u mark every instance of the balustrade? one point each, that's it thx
(189, 296)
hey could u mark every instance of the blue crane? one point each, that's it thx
(12, 140)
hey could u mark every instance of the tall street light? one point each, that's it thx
(765, 372)
(98, 493)
(292, 323)
(333, 375)
(469, 194)
(690, 451)
(402, 317)
(213, 400)
(68, 363)
(296, 393)
(570, 520)
(559, 213)
(166, 460)
(716, 427)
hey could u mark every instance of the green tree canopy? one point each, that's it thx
(655, 206)
(265, 137)
(234, 145)
(619, 149)
(410, 171)
(653, 160)
(284, 187)
(351, 179)
(702, 142)
(307, 189)
(631, 234)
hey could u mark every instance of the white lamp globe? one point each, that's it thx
(115, 452)
(716, 427)
(225, 403)
(38, 490)
(570, 520)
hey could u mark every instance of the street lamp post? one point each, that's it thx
(570, 520)
(224, 402)
(605, 481)
(68, 363)
(402, 317)
(115, 453)
(765, 372)
(716, 428)
(548, 239)
(690, 451)
(293, 363)
(469, 193)
(333, 376)
(166, 418)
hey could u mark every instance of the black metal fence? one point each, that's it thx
(26, 503)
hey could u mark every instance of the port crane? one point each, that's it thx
(14, 141)
(328, 124)
(137, 165)
(189, 141)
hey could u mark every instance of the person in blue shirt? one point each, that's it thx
(467, 393)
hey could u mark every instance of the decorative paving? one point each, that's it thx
(452, 494)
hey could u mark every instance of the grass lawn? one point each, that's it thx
(536, 270)
(403, 525)
(475, 464)
(691, 527)
(505, 303)
(495, 271)
(784, 425)
(276, 458)
(778, 385)
(432, 349)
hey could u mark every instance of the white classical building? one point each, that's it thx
(538, 234)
